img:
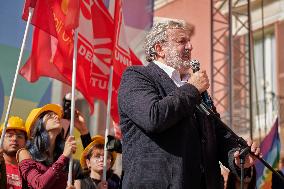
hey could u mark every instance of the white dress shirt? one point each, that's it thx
(173, 74)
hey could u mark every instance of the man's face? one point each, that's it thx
(13, 140)
(177, 49)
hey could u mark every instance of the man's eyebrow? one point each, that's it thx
(181, 37)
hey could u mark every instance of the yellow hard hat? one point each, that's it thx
(35, 113)
(97, 139)
(14, 122)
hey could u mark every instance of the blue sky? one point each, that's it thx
(11, 24)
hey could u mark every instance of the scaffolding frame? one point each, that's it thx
(231, 60)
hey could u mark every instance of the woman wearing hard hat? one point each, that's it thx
(44, 163)
(92, 162)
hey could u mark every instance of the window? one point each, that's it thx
(259, 83)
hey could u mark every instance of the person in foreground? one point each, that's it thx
(167, 142)
(44, 162)
(14, 139)
(92, 161)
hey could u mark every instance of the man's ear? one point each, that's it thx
(159, 50)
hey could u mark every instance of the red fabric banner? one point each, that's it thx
(101, 43)
(42, 14)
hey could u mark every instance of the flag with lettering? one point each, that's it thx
(100, 35)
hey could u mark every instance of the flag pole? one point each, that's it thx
(107, 121)
(69, 182)
(16, 76)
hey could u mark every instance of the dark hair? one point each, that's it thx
(232, 179)
(39, 143)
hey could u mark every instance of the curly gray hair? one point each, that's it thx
(158, 34)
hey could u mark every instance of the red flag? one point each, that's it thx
(40, 63)
(72, 14)
(52, 56)
(109, 41)
(123, 56)
(117, 131)
(42, 15)
(103, 32)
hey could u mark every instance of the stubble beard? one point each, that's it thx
(174, 60)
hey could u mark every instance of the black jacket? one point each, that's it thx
(166, 142)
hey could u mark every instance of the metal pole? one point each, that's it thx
(231, 61)
(107, 122)
(74, 67)
(212, 47)
(250, 70)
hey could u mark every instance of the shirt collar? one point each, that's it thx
(171, 72)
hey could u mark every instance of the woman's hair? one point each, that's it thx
(39, 142)
(232, 179)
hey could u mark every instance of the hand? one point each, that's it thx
(199, 80)
(70, 146)
(80, 123)
(103, 185)
(249, 159)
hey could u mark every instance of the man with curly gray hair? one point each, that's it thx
(158, 35)
(167, 142)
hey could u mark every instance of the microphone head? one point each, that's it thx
(195, 65)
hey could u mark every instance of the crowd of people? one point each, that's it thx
(36, 153)
(167, 141)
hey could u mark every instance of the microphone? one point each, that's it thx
(195, 66)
